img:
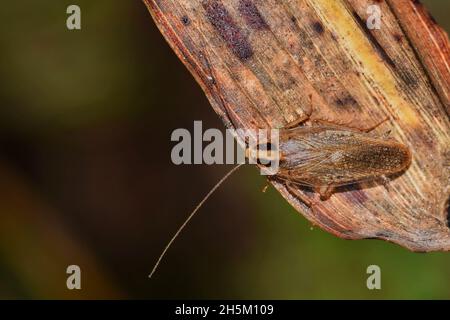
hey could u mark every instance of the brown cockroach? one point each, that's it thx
(325, 156)
(322, 156)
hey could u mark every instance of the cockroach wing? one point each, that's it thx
(323, 155)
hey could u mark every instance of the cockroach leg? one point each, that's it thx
(310, 203)
(374, 126)
(340, 125)
(384, 180)
(291, 187)
(325, 192)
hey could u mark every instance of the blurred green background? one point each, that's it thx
(86, 178)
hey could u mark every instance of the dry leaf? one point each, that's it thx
(258, 62)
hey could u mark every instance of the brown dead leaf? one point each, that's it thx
(258, 62)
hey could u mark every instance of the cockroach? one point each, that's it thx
(326, 156)
(322, 156)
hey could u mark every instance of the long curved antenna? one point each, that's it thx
(191, 215)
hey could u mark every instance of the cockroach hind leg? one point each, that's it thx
(291, 187)
(325, 192)
(303, 198)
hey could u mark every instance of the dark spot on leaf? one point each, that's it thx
(185, 20)
(222, 21)
(377, 102)
(252, 15)
(398, 37)
(294, 19)
(408, 78)
(346, 100)
(318, 28)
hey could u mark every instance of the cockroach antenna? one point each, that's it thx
(190, 217)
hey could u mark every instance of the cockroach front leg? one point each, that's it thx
(340, 125)
(376, 125)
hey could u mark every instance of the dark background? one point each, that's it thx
(86, 178)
